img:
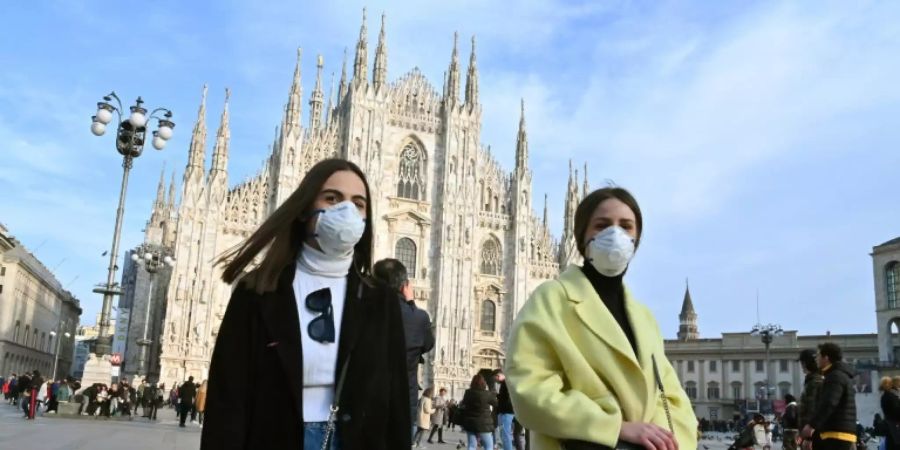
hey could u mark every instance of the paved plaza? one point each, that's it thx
(75, 433)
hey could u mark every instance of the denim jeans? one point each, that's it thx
(314, 436)
(487, 440)
(506, 430)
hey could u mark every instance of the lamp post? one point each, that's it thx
(56, 356)
(767, 334)
(131, 134)
(152, 260)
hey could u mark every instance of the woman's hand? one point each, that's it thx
(652, 437)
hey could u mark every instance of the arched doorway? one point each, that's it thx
(894, 339)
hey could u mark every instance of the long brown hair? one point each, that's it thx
(282, 234)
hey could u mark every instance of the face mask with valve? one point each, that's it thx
(610, 251)
(339, 228)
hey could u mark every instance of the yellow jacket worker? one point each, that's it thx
(580, 361)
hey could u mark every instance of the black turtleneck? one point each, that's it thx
(612, 293)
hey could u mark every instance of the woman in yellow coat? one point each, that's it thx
(580, 365)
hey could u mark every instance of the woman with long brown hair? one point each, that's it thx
(309, 353)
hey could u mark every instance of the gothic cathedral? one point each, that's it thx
(465, 228)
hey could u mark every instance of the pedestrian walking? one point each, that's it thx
(439, 416)
(423, 416)
(812, 385)
(890, 406)
(585, 358)
(417, 330)
(308, 332)
(835, 416)
(505, 414)
(477, 420)
(201, 400)
(790, 420)
(186, 394)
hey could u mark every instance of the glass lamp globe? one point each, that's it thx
(98, 128)
(135, 257)
(148, 256)
(168, 260)
(138, 119)
(165, 132)
(104, 116)
(159, 143)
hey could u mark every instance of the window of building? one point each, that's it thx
(488, 316)
(737, 390)
(16, 334)
(690, 388)
(713, 366)
(405, 252)
(892, 283)
(760, 365)
(784, 388)
(491, 261)
(43, 338)
(1, 288)
(49, 343)
(34, 338)
(690, 366)
(783, 365)
(759, 389)
(27, 335)
(412, 169)
(2, 271)
(712, 390)
(735, 366)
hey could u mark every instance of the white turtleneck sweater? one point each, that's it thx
(316, 270)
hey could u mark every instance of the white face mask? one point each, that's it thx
(610, 251)
(339, 229)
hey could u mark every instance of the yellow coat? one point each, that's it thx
(572, 373)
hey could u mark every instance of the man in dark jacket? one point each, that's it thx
(416, 324)
(835, 416)
(186, 394)
(790, 422)
(812, 384)
(505, 415)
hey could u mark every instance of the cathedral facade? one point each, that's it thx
(465, 228)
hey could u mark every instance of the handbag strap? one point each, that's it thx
(662, 393)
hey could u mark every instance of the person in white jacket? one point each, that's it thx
(42, 396)
(762, 433)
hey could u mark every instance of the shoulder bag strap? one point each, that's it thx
(662, 393)
(335, 405)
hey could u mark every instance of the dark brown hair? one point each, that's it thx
(282, 234)
(832, 351)
(590, 203)
(478, 382)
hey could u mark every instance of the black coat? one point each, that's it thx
(254, 398)
(836, 403)
(504, 403)
(187, 392)
(476, 409)
(419, 341)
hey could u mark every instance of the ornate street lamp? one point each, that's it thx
(131, 134)
(767, 334)
(152, 260)
(56, 356)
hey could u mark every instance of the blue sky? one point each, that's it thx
(760, 138)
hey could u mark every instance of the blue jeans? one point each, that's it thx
(314, 436)
(506, 430)
(487, 440)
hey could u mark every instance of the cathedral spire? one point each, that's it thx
(379, 77)
(586, 188)
(342, 89)
(171, 201)
(294, 109)
(220, 153)
(316, 100)
(522, 143)
(545, 211)
(197, 152)
(330, 109)
(160, 202)
(360, 65)
(472, 80)
(451, 90)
